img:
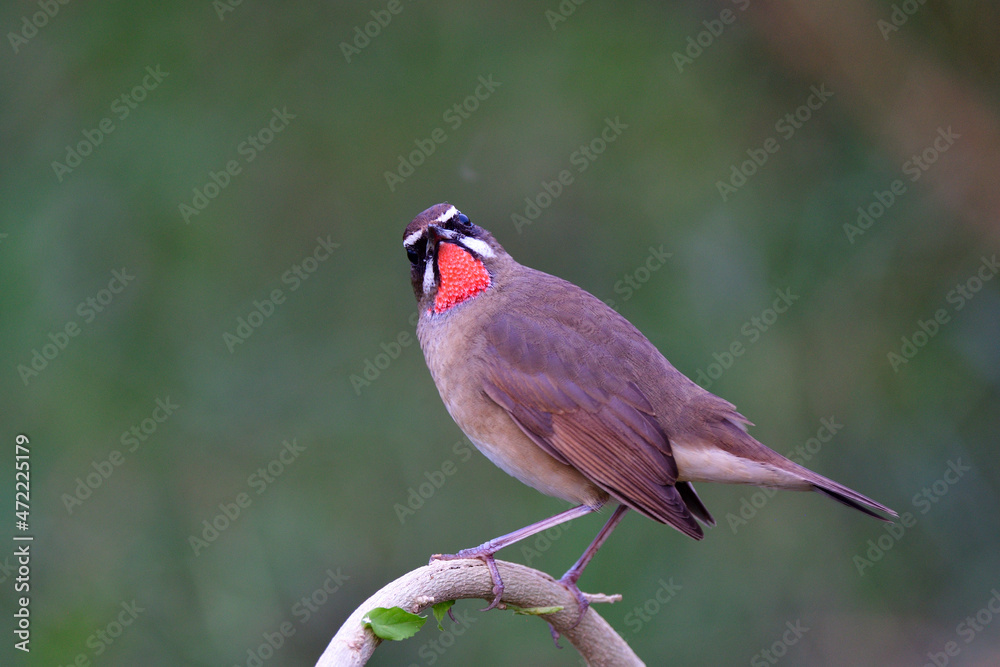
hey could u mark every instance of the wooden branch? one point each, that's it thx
(524, 587)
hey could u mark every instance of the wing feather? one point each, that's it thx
(604, 427)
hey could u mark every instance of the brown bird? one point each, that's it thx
(563, 393)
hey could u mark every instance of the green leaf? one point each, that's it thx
(534, 611)
(393, 623)
(440, 609)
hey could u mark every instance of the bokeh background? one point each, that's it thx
(333, 368)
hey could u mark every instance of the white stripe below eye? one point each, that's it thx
(429, 275)
(478, 246)
(413, 238)
(447, 214)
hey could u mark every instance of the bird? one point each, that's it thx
(563, 393)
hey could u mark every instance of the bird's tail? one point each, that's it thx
(851, 498)
(726, 429)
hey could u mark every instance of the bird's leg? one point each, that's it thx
(573, 574)
(485, 551)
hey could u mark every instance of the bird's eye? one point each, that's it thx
(416, 251)
(458, 222)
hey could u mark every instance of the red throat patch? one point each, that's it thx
(462, 276)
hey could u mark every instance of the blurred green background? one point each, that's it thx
(308, 113)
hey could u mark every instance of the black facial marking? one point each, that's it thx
(460, 223)
(416, 252)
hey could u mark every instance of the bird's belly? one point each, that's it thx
(491, 429)
(543, 473)
(496, 435)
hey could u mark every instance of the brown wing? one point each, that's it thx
(575, 396)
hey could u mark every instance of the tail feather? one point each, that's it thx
(726, 432)
(844, 495)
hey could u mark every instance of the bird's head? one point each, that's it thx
(452, 260)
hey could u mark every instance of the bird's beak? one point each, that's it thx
(436, 234)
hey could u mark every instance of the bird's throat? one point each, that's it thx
(462, 276)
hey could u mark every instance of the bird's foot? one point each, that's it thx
(569, 583)
(484, 554)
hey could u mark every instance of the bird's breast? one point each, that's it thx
(458, 371)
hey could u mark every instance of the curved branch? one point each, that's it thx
(525, 587)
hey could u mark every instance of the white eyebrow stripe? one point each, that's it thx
(412, 238)
(447, 214)
(478, 246)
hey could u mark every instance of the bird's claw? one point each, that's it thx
(555, 635)
(581, 599)
(486, 557)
